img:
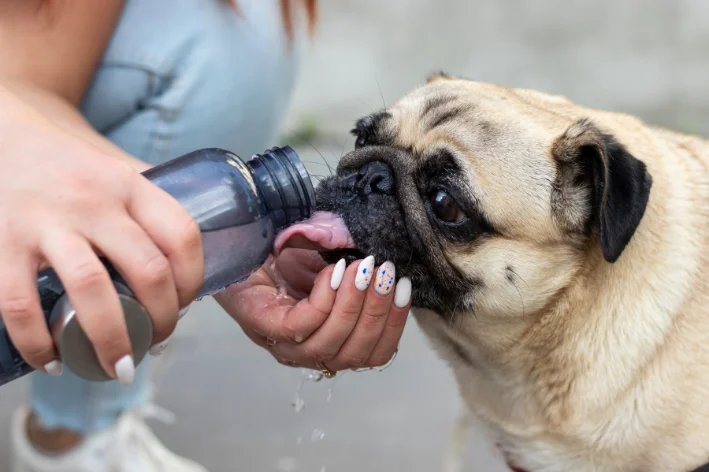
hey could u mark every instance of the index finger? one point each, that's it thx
(175, 232)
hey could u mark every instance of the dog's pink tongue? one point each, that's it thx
(323, 231)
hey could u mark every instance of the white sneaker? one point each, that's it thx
(129, 446)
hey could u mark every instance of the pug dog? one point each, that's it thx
(560, 264)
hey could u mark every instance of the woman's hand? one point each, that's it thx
(62, 200)
(325, 318)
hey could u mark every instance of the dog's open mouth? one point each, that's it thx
(324, 232)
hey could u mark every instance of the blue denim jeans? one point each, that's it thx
(177, 76)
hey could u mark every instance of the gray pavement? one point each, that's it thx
(235, 411)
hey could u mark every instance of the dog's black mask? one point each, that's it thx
(375, 193)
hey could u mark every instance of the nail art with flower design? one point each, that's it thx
(384, 281)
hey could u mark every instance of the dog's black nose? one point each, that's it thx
(375, 177)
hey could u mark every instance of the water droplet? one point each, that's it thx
(315, 376)
(318, 435)
(306, 375)
(298, 403)
(282, 293)
(218, 290)
(332, 385)
(277, 279)
(271, 342)
(388, 364)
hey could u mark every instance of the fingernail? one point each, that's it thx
(364, 273)
(54, 368)
(157, 349)
(402, 295)
(384, 281)
(337, 274)
(125, 370)
(184, 311)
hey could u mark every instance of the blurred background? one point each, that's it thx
(233, 402)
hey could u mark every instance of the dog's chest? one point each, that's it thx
(516, 427)
(541, 456)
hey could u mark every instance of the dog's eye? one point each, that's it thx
(445, 208)
(361, 141)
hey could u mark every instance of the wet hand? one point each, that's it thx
(322, 317)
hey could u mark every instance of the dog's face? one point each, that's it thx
(489, 202)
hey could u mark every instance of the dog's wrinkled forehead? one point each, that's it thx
(499, 139)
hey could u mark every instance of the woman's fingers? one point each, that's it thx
(353, 317)
(22, 313)
(175, 232)
(309, 314)
(259, 308)
(95, 300)
(145, 269)
(371, 322)
(327, 341)
(64, 209)
(370, 340)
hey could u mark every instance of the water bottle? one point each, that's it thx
(239, 208)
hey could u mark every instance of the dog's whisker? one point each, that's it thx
(342, 152)
(517, 275)
(460, 328)
(361, 100)
(381, 93)
(317, 164)
(460, 324)
(450, 321)
(313, 163)
(520, 296)
(475, 315)
(323, 158)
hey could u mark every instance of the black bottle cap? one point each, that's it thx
(284, 185)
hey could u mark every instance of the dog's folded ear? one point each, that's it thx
(599, 184)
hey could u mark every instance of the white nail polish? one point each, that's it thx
(402, 295)
(54, 368)
(364, 273)
(184, 311)
(337, 274)
(125, 370)
(158, 348)
(384, 281)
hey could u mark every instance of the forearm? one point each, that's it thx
(49, 51)
(65, 115)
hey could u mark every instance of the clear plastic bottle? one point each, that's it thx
(239, 208)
